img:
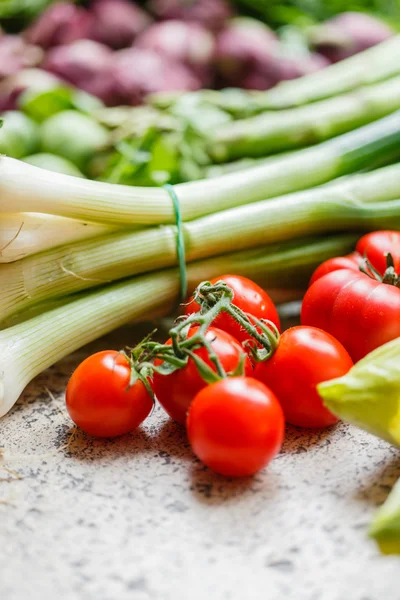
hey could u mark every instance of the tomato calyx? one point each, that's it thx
(216, 298)
(390, 276)
(213, 300)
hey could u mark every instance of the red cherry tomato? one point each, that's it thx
(176, 391)
(249, 297)
(351, 261)
(235, 426)
(359, 311)
(99, 399)
(376, 245)
(305, 356)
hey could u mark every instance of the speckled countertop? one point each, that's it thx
(140, 518)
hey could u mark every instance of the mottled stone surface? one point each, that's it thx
(140, 518)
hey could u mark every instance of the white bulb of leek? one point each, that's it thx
(22, 234)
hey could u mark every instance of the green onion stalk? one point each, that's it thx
(306, 125)
(71, 268)
(51, 275)
(31, 346)
(369, 67)
(23, 234)
(26, 188)
(374, 65)
(356, 203)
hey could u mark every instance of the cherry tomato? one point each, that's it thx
(359, 311)
(305, 356)
(176, 391)
(351, 261)
(376, 245)
(235, 426)
(250, 298)
(99, 399)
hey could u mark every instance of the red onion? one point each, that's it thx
(245, 45)
(282, 68)
(15, 54)
(187, 43)
(118, 22)
(348, 33)
(86, 64)
(210, 13)
(29, 79)
(138, 72)
(61, 23)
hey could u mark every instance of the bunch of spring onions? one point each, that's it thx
(80, 258)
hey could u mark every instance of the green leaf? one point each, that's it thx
(368, 396)
(22, 8)
(385, 527)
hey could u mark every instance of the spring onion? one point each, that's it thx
(29, 189)
(70, 269)
(357, 202)
(371, 66)
(376, 64)
(22, 234)
(306, 125)
(31, 346)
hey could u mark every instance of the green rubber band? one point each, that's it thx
(180, 242)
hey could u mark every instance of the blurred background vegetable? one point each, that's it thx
(184, 44)
(348, 33)
(118, 22)
(282, 12)
(19, 135)
(63, 62)
(61, 23)
(190, 44)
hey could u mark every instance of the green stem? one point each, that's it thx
(297, 127)
(29, 189)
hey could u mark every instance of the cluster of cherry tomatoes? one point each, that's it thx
(236, 424)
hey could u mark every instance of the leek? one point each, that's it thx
(22, 234)
(306, 125)
(358, 202)
(49, 275)
(376, 64)
(30, 189)
(31, 346)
